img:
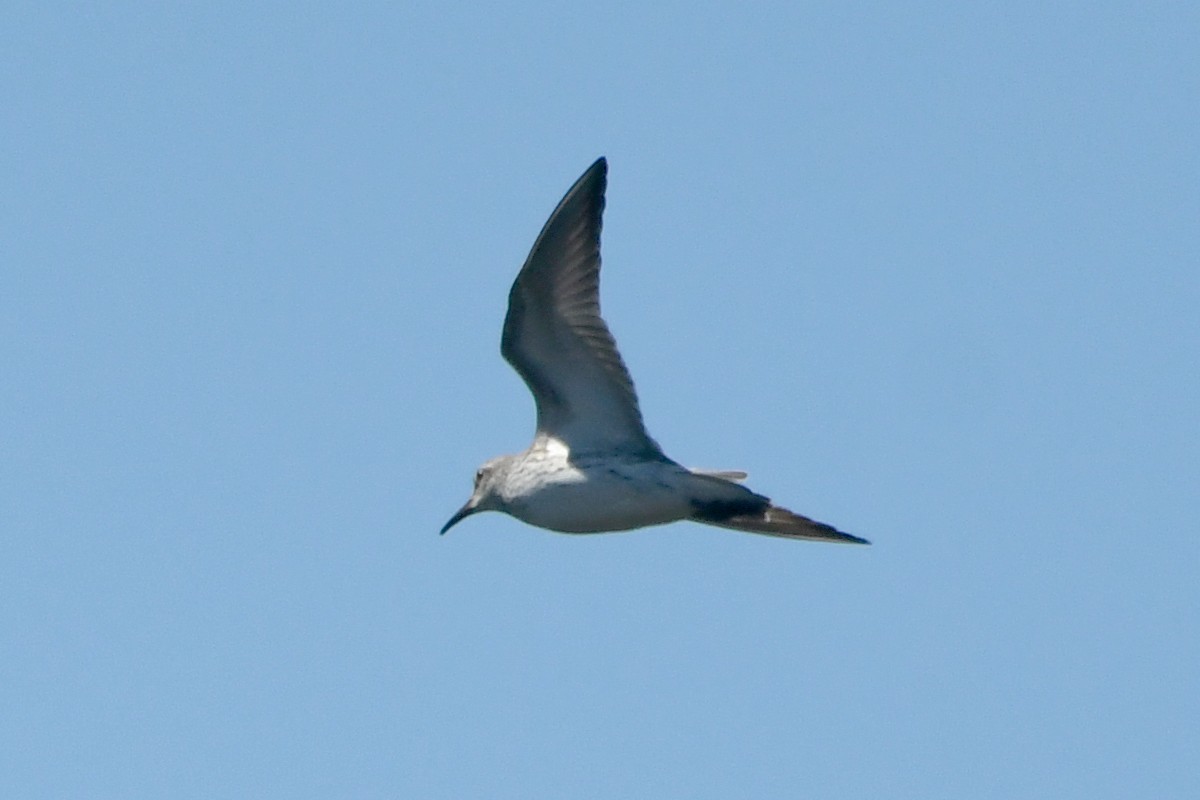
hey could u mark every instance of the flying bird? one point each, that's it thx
(592, 466)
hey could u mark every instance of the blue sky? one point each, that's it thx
(929, 272)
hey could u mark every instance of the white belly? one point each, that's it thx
(601, 499)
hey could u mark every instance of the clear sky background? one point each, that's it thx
(929, 272)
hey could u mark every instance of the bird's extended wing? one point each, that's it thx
(555, 338)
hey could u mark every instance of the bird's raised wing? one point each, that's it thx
(555, 338)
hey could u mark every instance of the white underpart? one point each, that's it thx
(609, 496)
(592, 495)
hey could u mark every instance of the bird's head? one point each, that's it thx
(484, 496)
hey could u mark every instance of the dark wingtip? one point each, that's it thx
(756, 514)
(600, 165)
(832, 534)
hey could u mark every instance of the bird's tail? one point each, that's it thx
(725, 504)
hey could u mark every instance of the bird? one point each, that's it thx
(592, 467)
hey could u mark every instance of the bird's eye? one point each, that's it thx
(478, 476)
